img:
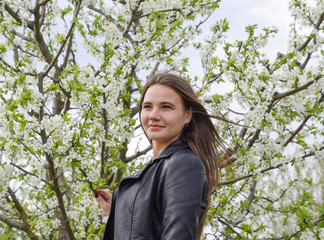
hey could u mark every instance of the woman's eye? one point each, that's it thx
(146, 106)
(166, 107)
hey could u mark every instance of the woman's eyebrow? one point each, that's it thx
(168, 103)
(162, 103)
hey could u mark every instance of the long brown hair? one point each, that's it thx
(200, 134)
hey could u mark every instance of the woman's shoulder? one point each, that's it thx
(185, 158)
(183, 164)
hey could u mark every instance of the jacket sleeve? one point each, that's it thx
(183, 197)
(109, 230)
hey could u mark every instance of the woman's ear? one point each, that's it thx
(189, 115)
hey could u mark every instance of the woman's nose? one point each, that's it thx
(155, 114)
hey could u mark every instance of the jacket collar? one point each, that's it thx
(172, 148)
(167, 152)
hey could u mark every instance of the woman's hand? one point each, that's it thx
(104, 198)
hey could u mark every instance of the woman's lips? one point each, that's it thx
(155, 126)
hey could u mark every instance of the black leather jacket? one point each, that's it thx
(164, 200)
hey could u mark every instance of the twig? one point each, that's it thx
(66, 38)
(87, 179)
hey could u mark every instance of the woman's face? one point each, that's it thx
(163, 115)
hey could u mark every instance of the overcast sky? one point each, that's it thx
(240, 13)
(265, 13)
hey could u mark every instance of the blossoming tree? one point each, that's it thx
(71, 75)
(273, 185)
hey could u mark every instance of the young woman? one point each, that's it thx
(168, 198)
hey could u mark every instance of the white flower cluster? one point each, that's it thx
(306, 15)
(6, 171)
(67, 122)
(278, 102)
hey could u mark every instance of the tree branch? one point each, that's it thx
(277, 96)
(42, 2)
(262, 171)
(176, 10)
(38, 35)
(65, 40)
(17, 204)
(23, 37)
(303, 122)
(31, 174)
(59, 195)
(68, 52)
(87, 180)
(11, 223)
(137, 154)
(134, 18)
(15, 15)
(316, 27)
(230, 227)
(153, 71)
(306, 61)
(111, 19)
(14, 70)
(24, 217)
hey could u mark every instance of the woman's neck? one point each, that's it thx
(158, 148)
